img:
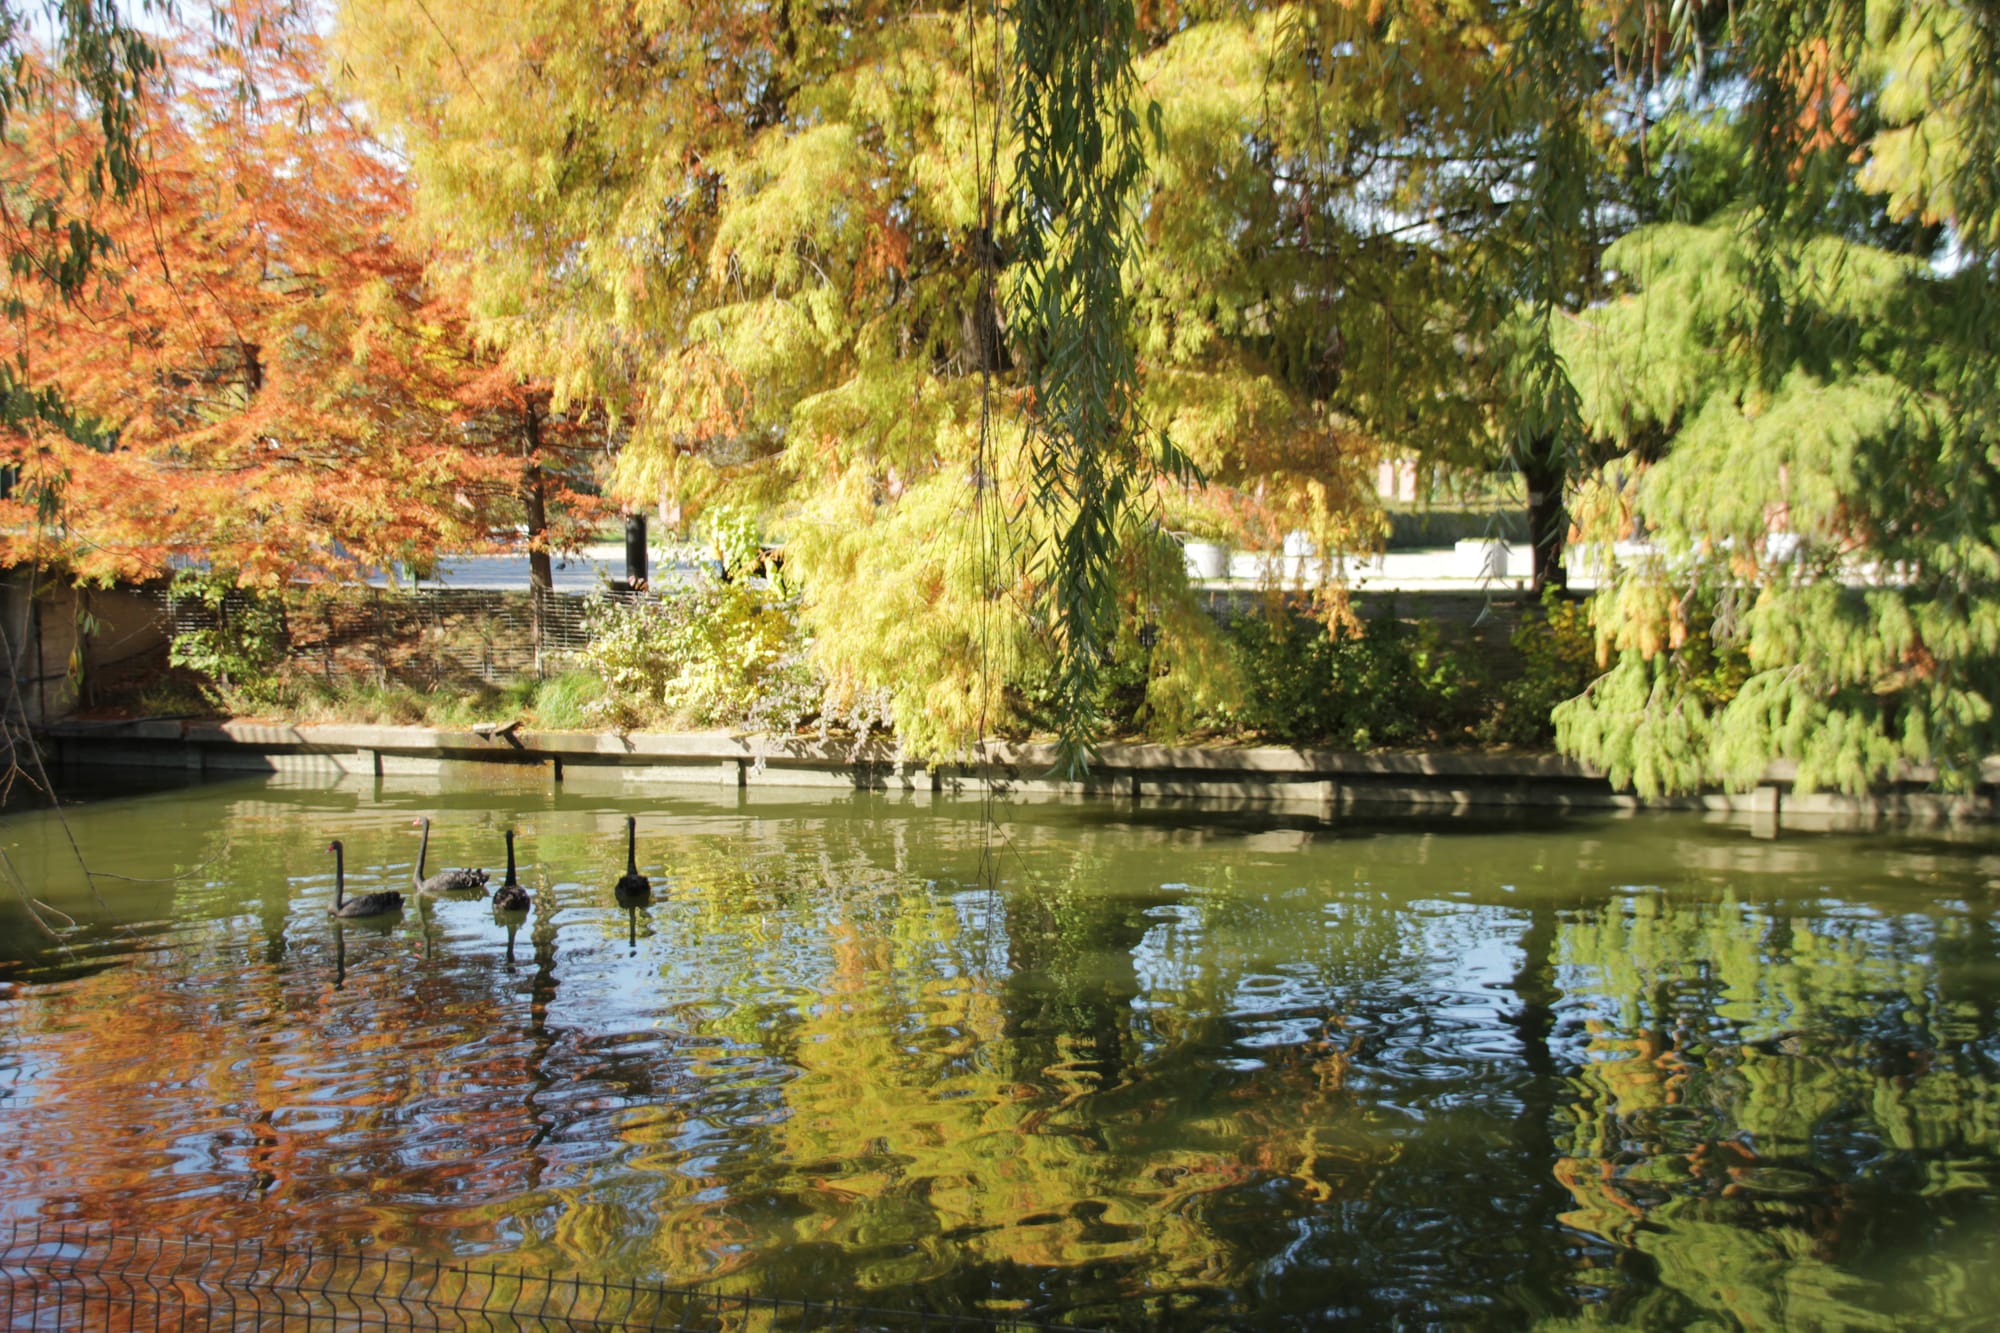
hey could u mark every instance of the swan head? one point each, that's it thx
(333, 846)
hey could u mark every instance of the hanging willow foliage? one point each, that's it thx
(1081, 158)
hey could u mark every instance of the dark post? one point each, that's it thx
(381, 642)
(635, 552)
(535, 508)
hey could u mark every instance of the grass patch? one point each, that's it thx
(558, 703)
(563, 703)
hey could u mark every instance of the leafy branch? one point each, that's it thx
(1081, 159)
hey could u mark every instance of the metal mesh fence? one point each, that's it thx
(428, 635)
(62, 1278)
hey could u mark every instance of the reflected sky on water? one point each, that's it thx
(1095, 1063)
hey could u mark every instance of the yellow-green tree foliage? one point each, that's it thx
(787, 241)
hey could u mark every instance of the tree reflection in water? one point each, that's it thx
(1186, 1067)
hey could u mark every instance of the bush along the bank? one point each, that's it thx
(738, 654)
(1386, 682)
(1556, 651)
(709, 653)
(235, 643)
(718, 653)
(706, 653)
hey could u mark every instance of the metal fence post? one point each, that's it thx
(381, 644)
(535, 630)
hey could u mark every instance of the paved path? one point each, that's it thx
(1464, 568)
(586, 571)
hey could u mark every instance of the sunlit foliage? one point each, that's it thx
(769, 236)
(258, 374)
(1799, 385)
(84, 59)
(975, 307)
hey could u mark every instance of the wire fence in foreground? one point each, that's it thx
(60, 1278)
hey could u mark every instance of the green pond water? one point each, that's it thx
(1096, 1064)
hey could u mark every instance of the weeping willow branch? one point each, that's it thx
(1082, 156)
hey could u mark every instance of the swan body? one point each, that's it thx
(632, 887)
(445, 881)
(510, 896)
(368, 904)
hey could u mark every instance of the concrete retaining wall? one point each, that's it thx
(60, 638)
(1329, 779)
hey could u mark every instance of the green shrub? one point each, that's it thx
(704, 654)
(239, 654)
(732, 538)
(1390, 683)
(1558, 656)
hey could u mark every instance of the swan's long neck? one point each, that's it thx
(339, 877)
(510, 857)
(423, 849)
(631, 846)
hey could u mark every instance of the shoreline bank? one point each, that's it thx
(1332, 780)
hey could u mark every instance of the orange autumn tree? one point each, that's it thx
(262, 379)
(515, 422)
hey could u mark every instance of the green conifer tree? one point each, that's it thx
(1799, 383)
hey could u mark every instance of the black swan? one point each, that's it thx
(632, 887)
(510, 896)
(445, 881)
(368, 904)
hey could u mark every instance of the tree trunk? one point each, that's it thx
(535, 504)
(982, 343)
(1548, 515)
(535, 507)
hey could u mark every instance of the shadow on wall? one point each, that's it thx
(64, 644)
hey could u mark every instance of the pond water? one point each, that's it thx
(1100, 1064)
